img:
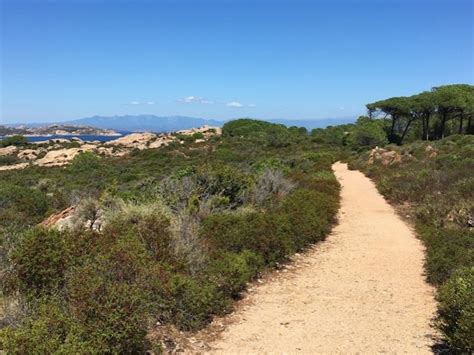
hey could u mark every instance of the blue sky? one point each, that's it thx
(65, 59)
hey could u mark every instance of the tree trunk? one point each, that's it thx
(423, 133)
(405, 131)
(443, 123)
(461, 118)
(428, 116)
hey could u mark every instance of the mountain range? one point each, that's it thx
(133, 123)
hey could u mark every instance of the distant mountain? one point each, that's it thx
(134, 123)
(145, 122)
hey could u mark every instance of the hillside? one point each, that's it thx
(153, 123)
(151, 237)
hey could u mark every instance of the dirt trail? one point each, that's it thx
(362, 290)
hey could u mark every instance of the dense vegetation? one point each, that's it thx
(173, 235)
(16, 140)
(169, 235)
(434, 184)
(430, 115)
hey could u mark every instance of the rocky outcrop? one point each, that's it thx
(57, 155)
(63, 156)
(11, 149)
(432, 152)
(68, 219)
(134, 140)
(386, 157)
(30, 154)
(206, 130)
(60, 220)
(14, 166)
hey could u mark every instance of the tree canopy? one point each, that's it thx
(433, 114)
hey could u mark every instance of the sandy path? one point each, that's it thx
(360, 291)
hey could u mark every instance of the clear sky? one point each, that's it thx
(70, 59)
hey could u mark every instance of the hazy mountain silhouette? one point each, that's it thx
(154, 123)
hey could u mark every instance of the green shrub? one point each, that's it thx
(310, 216)
(320, 160)
(109, 297)
(322, 181)
(17, 140)
(231, 271)
(39, 261)
(49, 330)
(253, 231)
(278, 136)
(186, 138)
(9, 160)
(367, 133)
(150, 222)
(448, 250)
(194, 302)
(22, 204)
(456, 310)
(225, 181)
(271, 164)
(244, 128)
(85, 162)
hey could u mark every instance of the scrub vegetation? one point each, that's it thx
(169, 236)
(172, 236)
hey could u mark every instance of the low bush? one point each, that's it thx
(232, 271)
(49, 330)
(252, 231)
(40, 260)
(149, 222)
(310, 216)
(17, 140)
(456, 310)
(194, 301)
(171, 235)
(271, 186)
(22, 205)
(449, 249)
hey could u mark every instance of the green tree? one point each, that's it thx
(367, 133)
(17, 140)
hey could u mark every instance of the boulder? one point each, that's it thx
(134, 140)
(13, 167)
(63, 156)
(30, 154)
(432, 152)
(161, 141)
(386, 157)
(206, 130)
(60, 220)
(11, 149)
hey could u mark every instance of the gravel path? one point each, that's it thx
(362, 290)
